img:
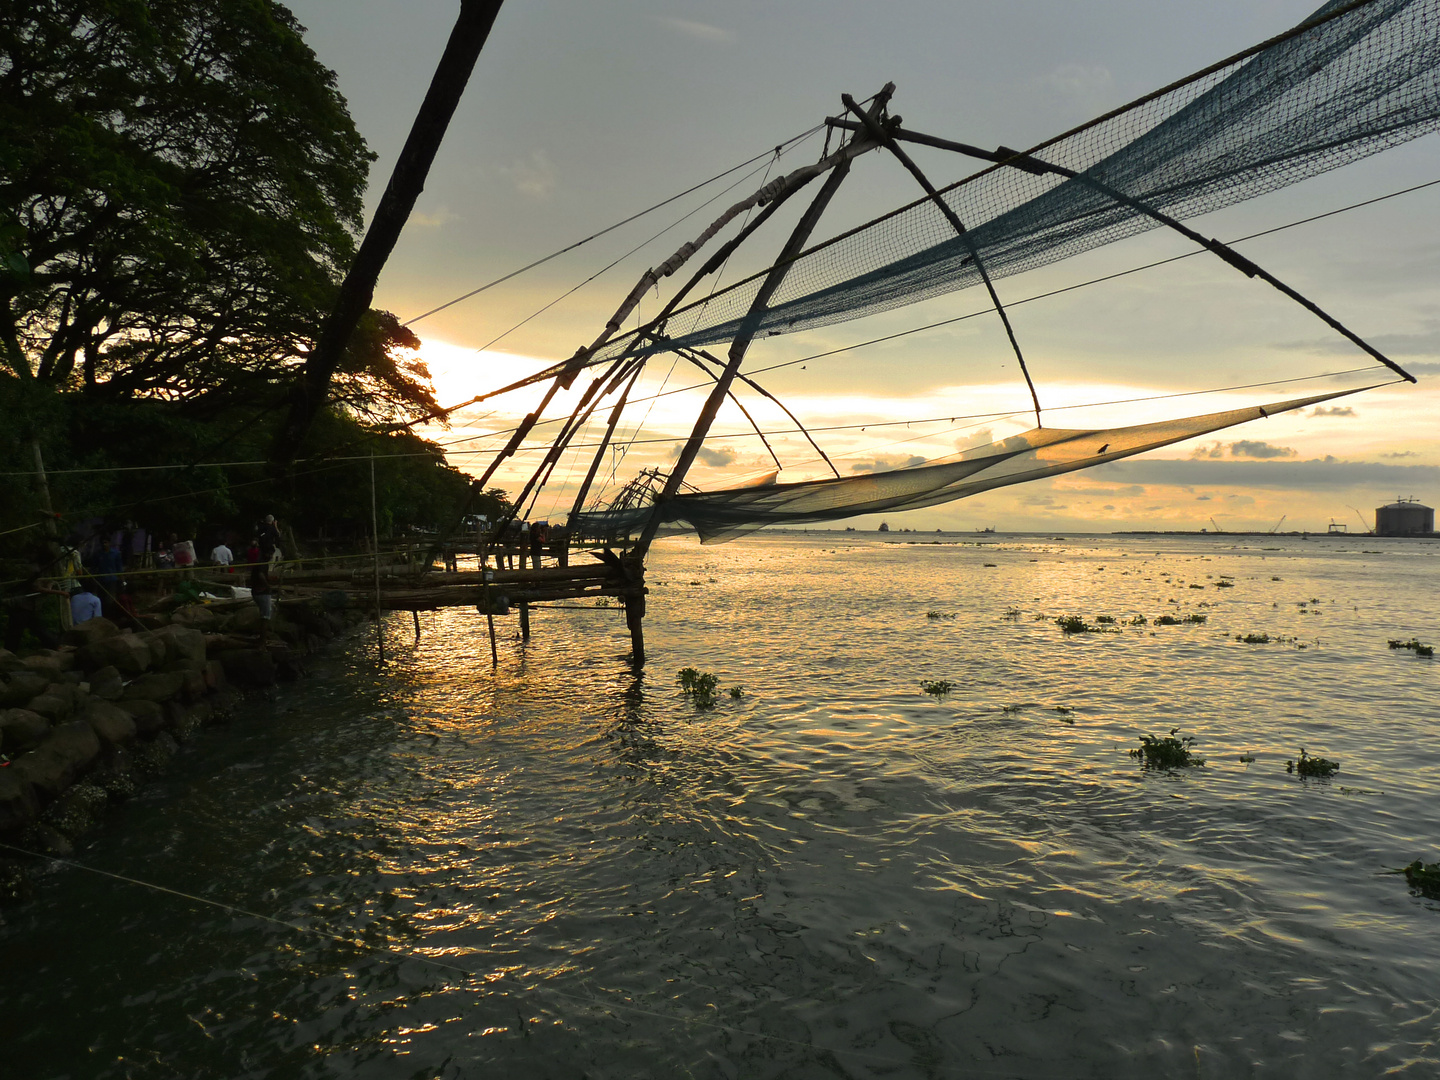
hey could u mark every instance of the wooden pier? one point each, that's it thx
(490, 591)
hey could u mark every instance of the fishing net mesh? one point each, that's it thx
(1351, 87)
(1034, 455)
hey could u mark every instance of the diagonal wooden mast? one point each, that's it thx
(748, 326)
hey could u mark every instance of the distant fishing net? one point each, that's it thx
(1349, 88)
(724, 515)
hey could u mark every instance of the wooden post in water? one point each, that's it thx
(416, 613)
(375, 540)
(486, 574)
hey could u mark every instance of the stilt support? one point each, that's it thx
(524, 622)
(635, 620)
(416, 612)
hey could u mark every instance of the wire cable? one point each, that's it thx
(607, 229)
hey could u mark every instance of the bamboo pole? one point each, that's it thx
(43, 483)
(375, 540)
(748, 326)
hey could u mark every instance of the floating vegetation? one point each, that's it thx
(1066, 714)
(937, 687)
(1254, 639)
(1105, 619)
(1012, 613)
(699, 686)
(1138, 620)
(1423, 878)
(938, 615)
(1074, 624)
(1312, 766)
(1414, 646)
(1011, 710)
(736, 692)
(1197, 586)
(991, 564)
(1224, 584)
(1168, 752)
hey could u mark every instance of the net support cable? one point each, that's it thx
(884, 134)
(1029, 163)
(751, 323)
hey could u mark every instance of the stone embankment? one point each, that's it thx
(87, 723)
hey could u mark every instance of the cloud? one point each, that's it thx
(1333, 410)
(698, 30)
(983, 437)
(1203, 498)
(1209, 450)
(438, 219)
(1401, 454)
(1252, 448)
(1319, 473)
(1079, 81)
(882, 464)
(534, 176)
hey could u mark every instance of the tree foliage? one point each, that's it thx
(182, 184)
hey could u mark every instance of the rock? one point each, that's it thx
(155, 686)
(214, 674)
(17, 801)
(181, 643)
(74, 812)
(89, 632)
(106, 684)
(116, 776)
(47, 665)
(249, 667)
(245, 621)
(181, 720)
(113, 725)
(10, 662)
(61, 757)
(149, 716)
(53, 705)
(128, 653)
(46, 840)
(194, 617)
(19, 687)
(159, 649)
(152, 757)
(21, 729)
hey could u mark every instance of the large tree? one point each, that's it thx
(180, 186)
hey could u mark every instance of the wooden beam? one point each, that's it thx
(468, 37)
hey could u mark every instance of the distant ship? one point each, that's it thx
(987, 529)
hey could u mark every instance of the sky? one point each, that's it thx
(580, 115)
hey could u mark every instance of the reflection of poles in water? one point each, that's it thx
(375, 540)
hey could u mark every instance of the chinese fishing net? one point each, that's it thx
(723, 515)
(1357, 84)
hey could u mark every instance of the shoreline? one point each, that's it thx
(88, 724)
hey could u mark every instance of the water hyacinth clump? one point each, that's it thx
(699, 686)
(936, 687)
(1168, 752)
(1414, 646)
(1312, 766)
(1424, 878)
(1074, 624)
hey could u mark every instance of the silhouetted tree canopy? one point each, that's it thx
(180, 185)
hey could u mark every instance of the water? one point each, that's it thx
(561, 870)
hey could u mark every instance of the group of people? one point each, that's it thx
(66, 589)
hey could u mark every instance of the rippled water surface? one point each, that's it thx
(561, 869)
